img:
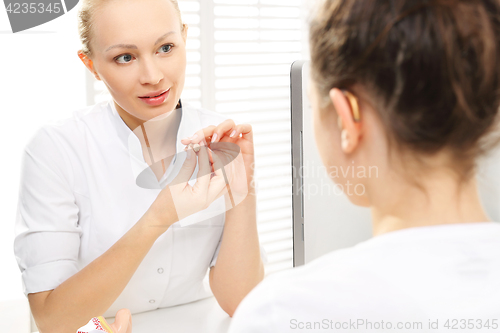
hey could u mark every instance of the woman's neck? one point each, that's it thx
(405, 206)
(159, 134)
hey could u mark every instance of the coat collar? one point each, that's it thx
(144, 176)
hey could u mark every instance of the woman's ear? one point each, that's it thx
(88, 63)
(349, 122)
(185, 28)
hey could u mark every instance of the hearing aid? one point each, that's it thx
(194, 146)
(353, 101)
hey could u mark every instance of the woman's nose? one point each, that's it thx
(150, 72)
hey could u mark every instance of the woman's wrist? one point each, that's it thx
(153, 224)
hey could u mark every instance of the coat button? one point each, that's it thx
(160, 270)
(151, 301)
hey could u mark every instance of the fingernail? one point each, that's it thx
(214, 137)
(232, 133)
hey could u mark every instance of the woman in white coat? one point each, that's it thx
(101, 225)
(411, 88)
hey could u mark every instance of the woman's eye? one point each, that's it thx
(166, 48)
(124, 59)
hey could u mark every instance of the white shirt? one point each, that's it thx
(80, 194)
(445, 272)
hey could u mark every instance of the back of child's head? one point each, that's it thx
(433, 68)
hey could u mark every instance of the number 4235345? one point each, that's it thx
(471, 324)
(33, 7)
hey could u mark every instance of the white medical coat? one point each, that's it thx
(79, 195)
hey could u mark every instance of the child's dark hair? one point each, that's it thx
(432, 66)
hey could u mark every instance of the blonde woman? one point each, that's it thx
(92, 235)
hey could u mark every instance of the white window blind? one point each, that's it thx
(239, 58)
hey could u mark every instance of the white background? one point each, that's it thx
(41, 75)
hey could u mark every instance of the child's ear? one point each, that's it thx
(88, 63)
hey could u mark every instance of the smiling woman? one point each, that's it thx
(90, 239)
(129, 57)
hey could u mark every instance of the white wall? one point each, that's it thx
(41, 79)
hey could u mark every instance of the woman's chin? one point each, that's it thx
(146, 113)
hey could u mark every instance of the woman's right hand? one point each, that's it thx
(179, 199)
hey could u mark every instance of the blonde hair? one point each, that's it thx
(85, 23)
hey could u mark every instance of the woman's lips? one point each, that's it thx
(156, 98)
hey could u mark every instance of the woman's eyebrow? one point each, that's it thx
(164, 36)
(132, 46)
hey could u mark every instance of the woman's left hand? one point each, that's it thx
(240, 135)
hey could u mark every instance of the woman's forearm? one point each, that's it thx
(239, 267)
(91, 291)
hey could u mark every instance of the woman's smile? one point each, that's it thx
(156, 97)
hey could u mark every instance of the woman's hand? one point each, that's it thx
(123, 322)
(233, 152)
(228, 131)
(179, 199)
(239, 267)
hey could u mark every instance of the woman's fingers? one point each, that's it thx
(204, 170)
(200, 135)
(212, 133)
(123, 322)
(187, 168)
(218, 184)
(224, 128)
(244, 129)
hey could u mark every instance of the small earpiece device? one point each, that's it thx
(354, 105)
(353, 101)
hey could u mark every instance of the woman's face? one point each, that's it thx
(139, 52)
